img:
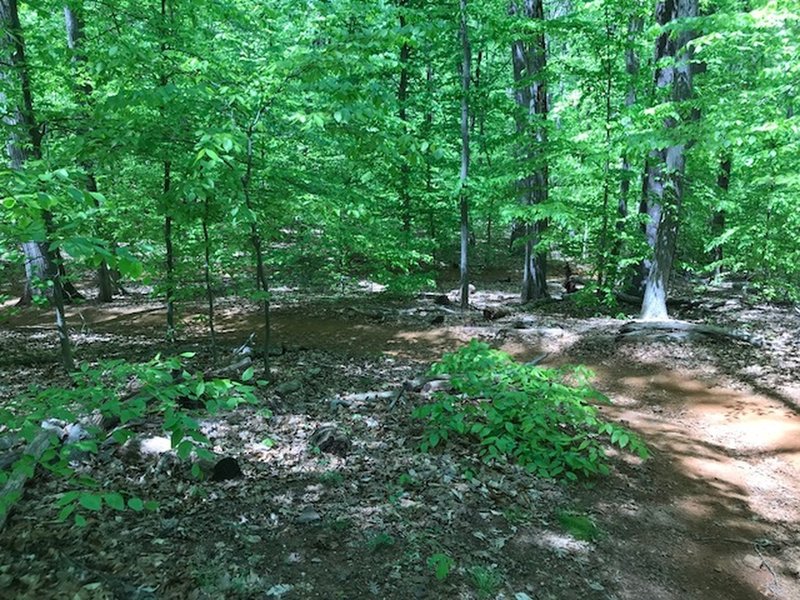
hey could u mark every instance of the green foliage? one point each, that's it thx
(116, 389)
(487, 580)
(381, 541)
(331, 478)
(542, 418)
(580, 526)
(441, 564)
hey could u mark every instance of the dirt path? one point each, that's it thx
(717, 509)
(714, 514)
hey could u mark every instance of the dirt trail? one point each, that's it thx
(715, 514)
(720, 510)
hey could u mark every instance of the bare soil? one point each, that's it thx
(713, 514)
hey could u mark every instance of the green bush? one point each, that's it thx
(161, 390)
(542, 418)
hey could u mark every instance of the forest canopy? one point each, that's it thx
(198, 146)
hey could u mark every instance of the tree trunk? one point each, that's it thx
(529, 60)
(41, 258)
(402, 101)
(262, 284)
(635, 24)
(603, 253)
(666, 168)
(170, 254)
(73, 22)
(207, 277)
(466, 69)
(718, 220)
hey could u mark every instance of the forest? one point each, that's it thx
(400, 299)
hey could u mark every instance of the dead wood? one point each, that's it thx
(348, 400)
(682, 330)
(12, 490)
(492, 313)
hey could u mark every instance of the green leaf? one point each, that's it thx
(248, 374)
(135, 504)
(90, 501)
(115, 500)
(65, 512)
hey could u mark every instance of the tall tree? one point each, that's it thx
(665, 171)
(74, 24)
(466, 74)
(24, 133)
(529, 60)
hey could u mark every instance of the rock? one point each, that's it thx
(309, 515)
(330, 440)
(288, 387)
(753, 561)
(491, 313)
(225, 469)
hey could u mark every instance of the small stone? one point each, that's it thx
(288, 387)
(330, 440)
(752, 561)
(309, 515)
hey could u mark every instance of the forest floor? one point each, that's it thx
(714, 513)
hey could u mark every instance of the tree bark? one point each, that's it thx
(466, 69)
(718, 220)
(635, 25)
(603, 254)
(41, 258)
(74, 24)
(666, 168)
(529, 60)
(262, 283)
(169, 292)
(207, 277)
(402, 102)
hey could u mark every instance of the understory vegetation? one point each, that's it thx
(542, 418)
(273, 275)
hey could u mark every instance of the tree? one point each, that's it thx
(41, 258)
(666, 166)
(74, 24)
(529, 60)
(466, 74)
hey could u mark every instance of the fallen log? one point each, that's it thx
(12, 490)
(683, 329)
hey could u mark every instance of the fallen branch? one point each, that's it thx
(349, 399)
(683, 329)
(12, 490)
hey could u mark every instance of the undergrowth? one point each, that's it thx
(120, 394)
(545, 419)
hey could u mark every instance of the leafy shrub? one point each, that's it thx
(579, 526)
(543, 418)
(161, 389)
(441, 564)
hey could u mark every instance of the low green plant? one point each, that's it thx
(579, 526)
(542, 418)
(381, 541)
(161, 390)
(441, 564)
(487, 580)
(331, 478)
